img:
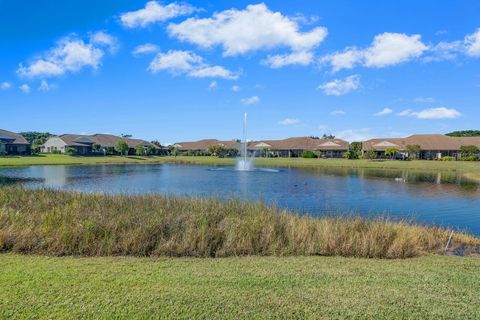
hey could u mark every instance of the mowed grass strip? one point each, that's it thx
(71, 223)
(433, 287)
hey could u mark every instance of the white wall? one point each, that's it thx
(54, 143)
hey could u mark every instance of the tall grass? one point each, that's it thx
(69, 223)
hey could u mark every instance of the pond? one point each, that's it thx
(440, 198)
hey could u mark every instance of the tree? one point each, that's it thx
(308, 154)
(151, 149)
(156, 143)
(121, 147)
(370, 154)
(174, 151)
(96, 147)
(469, 153)
(36, 138)
(126, 135)
(140, 150)
(217, 151)
(354, 150)
(391, 152)
(328, 136)
(414, 150)
(70, 151)
(464, 133)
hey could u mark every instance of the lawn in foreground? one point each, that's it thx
(433, 287)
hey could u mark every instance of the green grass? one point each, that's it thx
(433, 287)
(70, 223)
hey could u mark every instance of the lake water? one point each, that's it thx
(445, 199)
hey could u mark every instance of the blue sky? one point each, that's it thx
(176, 71)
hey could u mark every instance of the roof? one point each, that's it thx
(300, 143)
(206, 143)
(12, 138)
(104, 140)
(425, 141)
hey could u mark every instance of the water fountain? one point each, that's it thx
(245, 163)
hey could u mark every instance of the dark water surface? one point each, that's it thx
(434, 198)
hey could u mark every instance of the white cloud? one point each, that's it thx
(44, 86)
(25, 88)
(424, 100)
(146, 48)
(302, 58)
(290, 122)
(337, 113)
(385, 50)
(155, 12)
(213, 85)
(339, 87)
(70, 55)
(250, 100)
(235, 88)
(5, 85)
(445, 51)
(472, 44)
(432, 113)
(352, 135)
(102, 38)
(186, 62)
(252, 29)
(384, 112)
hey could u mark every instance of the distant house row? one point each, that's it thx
(291, 147)
(423, 146)
(88, 144)
(431, 146)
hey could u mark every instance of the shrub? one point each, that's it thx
(448, 158)
(308, 154)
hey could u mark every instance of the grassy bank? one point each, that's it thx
(58, 159)
(434, 287)
(64, 223)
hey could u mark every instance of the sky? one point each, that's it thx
(179, 71)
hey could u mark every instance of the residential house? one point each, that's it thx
(294, 147)
(432, 146)
(201, 147)
(13, 144)
(90, 144)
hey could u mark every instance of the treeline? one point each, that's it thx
(464, 133)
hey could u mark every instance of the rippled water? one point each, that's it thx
(434, 198)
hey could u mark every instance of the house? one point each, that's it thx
(13, 143)
(432, 146)
(90, 144)
(294, 147)
(201, 147)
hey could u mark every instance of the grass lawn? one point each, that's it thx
(433, 287)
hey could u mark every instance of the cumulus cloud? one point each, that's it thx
(5, 85)
(337, 113)
(154, 12)
(384, 112)
(385, 50)
(302, 58)
(70, 55)
(236, 88)
(252, 29)
(250, 100)
(146, 48)
(472, 44)
(189, 63)
(102, 38)
(339, 87)
(290, 122)
(431, 113)
(25, 88)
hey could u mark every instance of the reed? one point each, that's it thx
(70, 223)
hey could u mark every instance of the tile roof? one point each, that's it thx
(17, 139)
(425, 141)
